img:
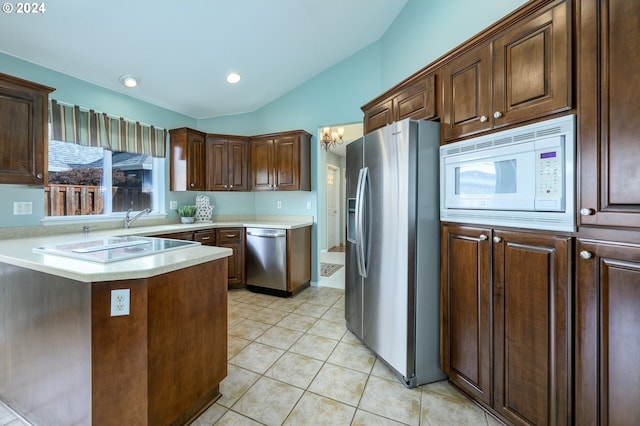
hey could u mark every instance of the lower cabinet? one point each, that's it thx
(233, 238)
(607, 333)
(506, 309)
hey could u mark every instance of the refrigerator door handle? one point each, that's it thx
(361, 237)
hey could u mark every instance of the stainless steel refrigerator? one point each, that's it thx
(393, 247)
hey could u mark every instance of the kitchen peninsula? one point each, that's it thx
(66, 359)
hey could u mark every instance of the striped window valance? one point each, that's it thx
(70, 123)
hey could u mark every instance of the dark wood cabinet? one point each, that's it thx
(298, 259)
(466, 322)
(23, 131)
(227, 163)
(233, 238)
(521, 74)
(607, 333)
(506, 321)
(532, 327)
(187, 160)
(415, 98)
(281, 162)
(609, 107)
(206, 237)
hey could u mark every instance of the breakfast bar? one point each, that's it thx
(74, 351)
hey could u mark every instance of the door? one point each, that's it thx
(238, 165)
(608, 127)
(333, 180)
(216, 164)
(195, 161)
(532, 327)
(466, 309)
(386, 288)
(607, 333)
(262, 165)
(353, 281)
(287, 163)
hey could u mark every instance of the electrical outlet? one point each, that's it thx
(279, 204)
(22, 208)
(120, 302)
(308, 205)
(173, 205)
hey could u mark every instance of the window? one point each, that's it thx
(87, 180)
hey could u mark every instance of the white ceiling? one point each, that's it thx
(182, 51)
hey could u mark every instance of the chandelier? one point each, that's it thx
(330, 138)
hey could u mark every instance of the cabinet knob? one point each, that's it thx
(39, 175)
(497, 114)
(230, 186)
(587, 212)
(483, 237)
(497, 239)
(483, 119)
(192, 184)
(225, 185)
(585, 254)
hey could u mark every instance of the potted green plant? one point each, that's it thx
(187, 213)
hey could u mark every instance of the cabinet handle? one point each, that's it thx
(205, 238)
(192, 184)
(231, 236)
(587, 212)
(225, 185)
(585, 254)
(483, 119)
(39, 175)
(497, 114)
(497, 239)
(483, 237)
(230, 186)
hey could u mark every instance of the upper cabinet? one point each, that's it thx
(187, 165)
(520, 74)
(281, 162)
(23, 131)
(608, 125)
(415, 98)
(227, 163)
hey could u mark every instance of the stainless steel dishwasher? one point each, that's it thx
(266, 258)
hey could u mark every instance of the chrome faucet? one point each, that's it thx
(129, 220)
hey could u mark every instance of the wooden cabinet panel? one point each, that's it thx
(23, 131)
(607, 333)
(298, 259)
(608, 125)
(532, 68)
(466, 309)
(281, 162)
(415, 99)
(523, 73)
(205, 237)
(233, 238)
(227, 163)
(532, 317)
(466, 102)
(187, 160)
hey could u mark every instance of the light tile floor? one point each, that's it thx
(293, 362)
(336, 280)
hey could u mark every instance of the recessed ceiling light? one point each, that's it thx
(129, 80)
(233, 78)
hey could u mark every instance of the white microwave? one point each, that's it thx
(522, 177)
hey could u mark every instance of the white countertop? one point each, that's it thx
(19, 251)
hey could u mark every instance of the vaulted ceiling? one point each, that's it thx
(182, 51)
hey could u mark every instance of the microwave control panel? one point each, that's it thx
(549, 174)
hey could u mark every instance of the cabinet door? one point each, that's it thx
(195, 162)
(608, 126)
(417, 101)
(262, 174)
(466, 309)
(238, 165)
(23, 133)
(607, 334)
(235, 263)
(466, 102)
(532, 68)
(287, 163)
(532, 317)
(216, 164)
(378, 116)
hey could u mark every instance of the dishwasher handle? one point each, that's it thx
(266, 233)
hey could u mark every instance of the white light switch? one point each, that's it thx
(173, 205)
(22, 208)
(120, 302)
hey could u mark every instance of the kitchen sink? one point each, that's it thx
(112, 249)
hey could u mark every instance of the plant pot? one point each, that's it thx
(187, 219)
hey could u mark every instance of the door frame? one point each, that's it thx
(338, 188)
